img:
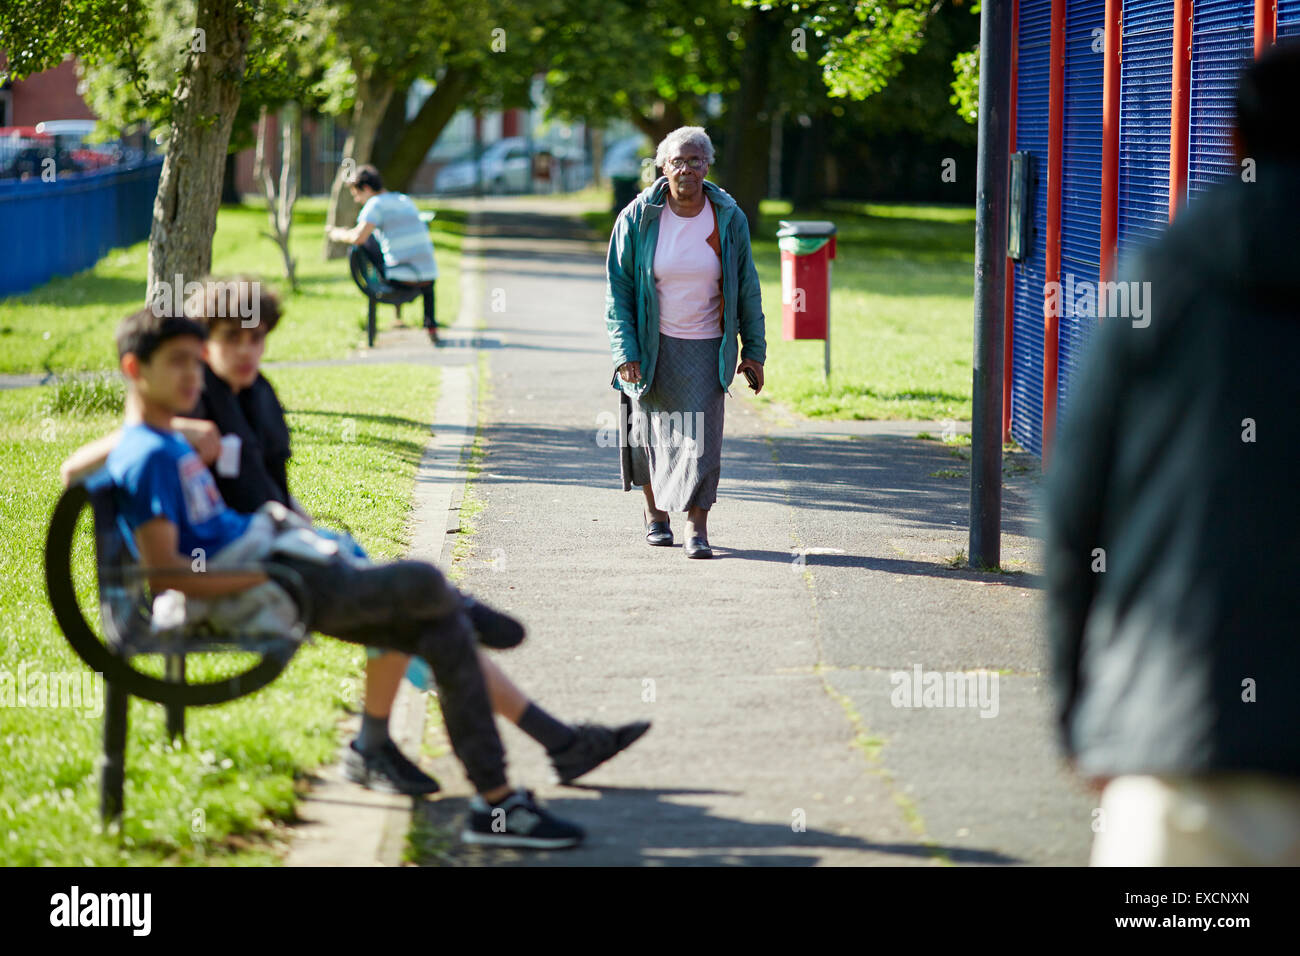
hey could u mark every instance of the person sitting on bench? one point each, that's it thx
(171, 505)
(403, 237)
(238, 401)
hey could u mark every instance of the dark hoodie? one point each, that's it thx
(1182, 655)
(256, 416)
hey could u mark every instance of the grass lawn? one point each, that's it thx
(357, 437)
(902, 313)
(67, 324)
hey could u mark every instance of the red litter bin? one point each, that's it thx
(807, 249)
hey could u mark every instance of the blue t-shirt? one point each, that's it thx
(402, 235)
(160, 476)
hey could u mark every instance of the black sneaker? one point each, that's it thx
(496, 630)
(518, 821)
(387, 770)
(595, 745)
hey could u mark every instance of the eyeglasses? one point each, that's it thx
(693, 163)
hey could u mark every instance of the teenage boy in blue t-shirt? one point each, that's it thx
(171, 504)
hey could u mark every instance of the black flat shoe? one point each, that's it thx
(698, 547)
(659, 534)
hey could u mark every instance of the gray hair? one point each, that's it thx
(684, 136)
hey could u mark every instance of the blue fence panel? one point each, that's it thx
(62, 227)
(1080, 185)
(1031, 136)
(1288, 18)
(1223, 41)
(1146, 79)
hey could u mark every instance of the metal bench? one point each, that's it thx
(125, 612)
(367, 264)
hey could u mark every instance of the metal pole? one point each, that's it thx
(1180, 105)
(113, 772)
(1265, 25)
(826, 360)
(175, 670)
(1052, 247)
(478, 153)
(990, 284)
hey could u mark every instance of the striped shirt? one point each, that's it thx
(404, 239)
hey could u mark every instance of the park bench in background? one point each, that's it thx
(367, 264)
(126, 622)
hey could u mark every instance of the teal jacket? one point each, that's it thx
(631, 304)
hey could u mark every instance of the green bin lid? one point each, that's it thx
(812, 227)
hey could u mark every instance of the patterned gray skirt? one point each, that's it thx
(671, 436)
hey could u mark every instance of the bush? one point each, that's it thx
(88, 395)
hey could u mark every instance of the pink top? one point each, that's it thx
(687, 271)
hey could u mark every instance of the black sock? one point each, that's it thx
(552, 734)
(374, 733)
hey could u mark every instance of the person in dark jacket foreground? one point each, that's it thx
(1172, 526)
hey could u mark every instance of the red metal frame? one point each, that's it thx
(1110, 138)
(1265, 25)
(1010, 313)
(1055, 148)
(1180, 105)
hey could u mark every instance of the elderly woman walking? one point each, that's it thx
(681, 285)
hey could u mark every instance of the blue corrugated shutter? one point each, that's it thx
(1146, 78)
(1223, 41)
(1080, 182)
(1031, 136)
(1288, 18)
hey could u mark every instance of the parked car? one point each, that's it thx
(573, 166)
(623, 157)
(70, 135)
(506, 167)
(23, 151)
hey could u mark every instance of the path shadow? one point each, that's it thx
(871, 563)
(893, 475)
(521, 224)
(641, 826)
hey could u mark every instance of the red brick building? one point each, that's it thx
(51, 95)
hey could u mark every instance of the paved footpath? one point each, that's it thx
(766, 671)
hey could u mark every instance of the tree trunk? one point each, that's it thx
(808, 186)
(390, 130)
(423, 131)
(662, 120)
(280, 202)
(750, 135)
(229, 187)
(373, 94)
(597, 140)
(189, 189)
